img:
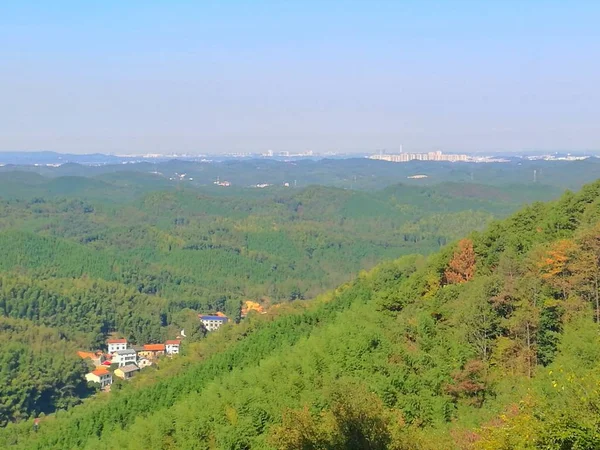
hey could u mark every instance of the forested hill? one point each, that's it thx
(138, 256)
(491, 343)
(211, 248)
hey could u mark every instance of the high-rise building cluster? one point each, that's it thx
(429, 156)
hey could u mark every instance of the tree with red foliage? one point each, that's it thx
(469, 383)
(461, 267)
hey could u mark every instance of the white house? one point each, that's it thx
(212, 323)
(124, 357)
(116, 344)
(100, 376)
(144, 362)
(172, 347)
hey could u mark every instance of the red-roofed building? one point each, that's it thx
(84, 355)
(172, 347)
(100, 376)
(152, 351)
(116, 344)
(154, 347)
(96, 358)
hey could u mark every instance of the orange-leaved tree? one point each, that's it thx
(461, 267)
(555, 266)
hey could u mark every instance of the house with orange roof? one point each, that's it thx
(172, 347)
(101, 376)
(116, 344)
(152, 351)
(97, 358)
(84, 355)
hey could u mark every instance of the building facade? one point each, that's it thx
(126, 372)
(100, 376)
(144, 362)
(116, 344)
(124, 357)
(152, 351)
(172, 347)
(212, 323)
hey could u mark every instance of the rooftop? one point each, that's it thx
(128, 368)
(84, 355)
(128, 351)
(173, 342)
(207, 317)
(100, 372)
(116, 341)
(154, 347)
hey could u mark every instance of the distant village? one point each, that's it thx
(130, 359)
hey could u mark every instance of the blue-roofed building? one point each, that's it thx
(213, 322)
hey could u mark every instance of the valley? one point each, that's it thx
(434, 310)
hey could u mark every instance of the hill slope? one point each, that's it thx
(490, 343)
(109, 255)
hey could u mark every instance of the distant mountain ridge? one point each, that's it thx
(353, 173)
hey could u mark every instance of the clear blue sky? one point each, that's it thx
(202, 76)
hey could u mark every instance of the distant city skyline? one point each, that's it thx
(342, 76)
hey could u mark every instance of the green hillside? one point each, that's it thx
(490, 343)
(139, 256)
(199, 247)
(136, 255)
(39, 369)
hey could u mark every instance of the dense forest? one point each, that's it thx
(490, 343)
(209, 249)
(39, 370)
(130, 255)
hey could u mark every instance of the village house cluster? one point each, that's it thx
(130, 359)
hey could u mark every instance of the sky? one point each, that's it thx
(340, 76)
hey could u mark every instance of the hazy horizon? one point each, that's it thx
(252, 76)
